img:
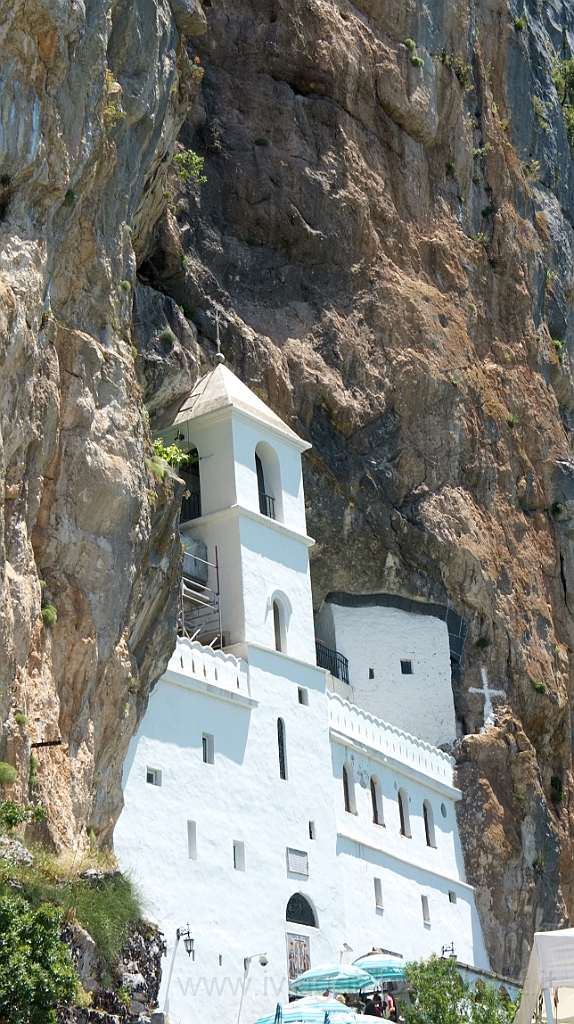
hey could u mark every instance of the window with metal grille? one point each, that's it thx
(300, 911)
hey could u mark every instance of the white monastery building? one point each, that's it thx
(276, 808)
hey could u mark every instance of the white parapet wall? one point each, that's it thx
(389, 741)
(213, 670)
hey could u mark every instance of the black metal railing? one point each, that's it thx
(334, 662)
(190, 507)
(266, 505)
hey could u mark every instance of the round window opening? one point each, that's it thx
(443, 810)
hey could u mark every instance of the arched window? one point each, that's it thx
(377, 801)
(191, 501)
(404, 814)
(300, 911)
(281, 748)
(349, 789)
(429, 824)
(270, 498)
(279, 626)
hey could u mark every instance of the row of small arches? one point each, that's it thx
(377, 806)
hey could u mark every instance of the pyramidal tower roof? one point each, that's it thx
(219, 389)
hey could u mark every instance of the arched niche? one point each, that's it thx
(268, 470)
(404, 816)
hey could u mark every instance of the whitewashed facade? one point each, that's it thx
(234, 794)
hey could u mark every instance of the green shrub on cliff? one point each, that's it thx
(190, 165)
(36, 970)
(8, 774)
(563, 75)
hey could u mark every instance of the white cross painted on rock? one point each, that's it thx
(487, 693)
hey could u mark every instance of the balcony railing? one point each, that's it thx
(266, 505)
(190, 507)
(334, 662)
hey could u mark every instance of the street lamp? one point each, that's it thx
(188, 942)
(246, 961)
(262, 960)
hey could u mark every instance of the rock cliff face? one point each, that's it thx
(393, 242)
(389, 225)
(91, 101)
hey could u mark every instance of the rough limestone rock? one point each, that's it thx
(393, 245)
(92, 99)
(14, 852)
(85, 955)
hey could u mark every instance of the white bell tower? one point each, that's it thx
(251, 508)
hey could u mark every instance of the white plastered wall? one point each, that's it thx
(378, 638)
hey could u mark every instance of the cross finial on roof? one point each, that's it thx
(217, 317)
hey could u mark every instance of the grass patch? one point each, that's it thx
(108, 908)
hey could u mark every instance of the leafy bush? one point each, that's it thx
(519, 24)
(36, 970)
(539, 686)
(8, 774)
(482, 642)
(49, 615)
(512, 420)
(417, 62)
(410, 45)
(439, 996)
(171, 454)
(13, 814)
(20, 719)
(125, 286)
(262, 141)
(190, 166)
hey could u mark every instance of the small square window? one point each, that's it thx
(451, 896)
(426, 911)
(378, 893)
(406, 668)
(207, 748)
(153, 776)
(371, 673)
(303, 695)
(191, 840)
(239, 856)
(311, 830)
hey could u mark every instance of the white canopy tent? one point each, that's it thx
(551, 974)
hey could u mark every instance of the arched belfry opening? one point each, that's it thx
(191, 502)
(300, 911)
(268, 470)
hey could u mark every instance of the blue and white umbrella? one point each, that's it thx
(312, 1011)
(334, 977)
(381, 966)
